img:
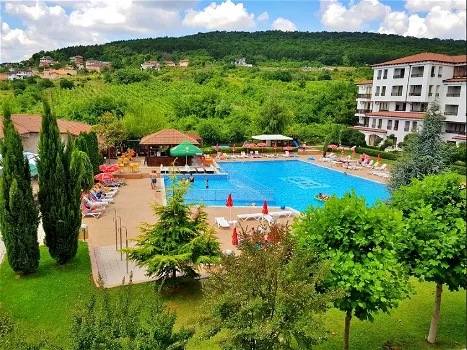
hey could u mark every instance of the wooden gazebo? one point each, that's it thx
(158, 146)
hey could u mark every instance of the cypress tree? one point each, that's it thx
(93, 151)
(19, 215)
(63, 172)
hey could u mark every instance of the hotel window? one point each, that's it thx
(380, 123)
(383, 91)
(433, 71)
(440, 72)
(401, 106)
(396, 125)
(389, 124)
(385, 75)
(430, 90)
(414, 126)
(380, 72)
(377, 91)
(407, 125)
(373, 123)
(384, 106)
(437, 90)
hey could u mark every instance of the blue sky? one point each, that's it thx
(31, 26)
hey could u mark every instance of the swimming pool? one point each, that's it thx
(291, 183)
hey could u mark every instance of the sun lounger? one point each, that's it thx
(269, 218)
(222, 222)
(382, 167)
(85, 211)
(370, 164)
(245, 217)
(200, 170)
(286, 154)
(211, 169)
(286, 213)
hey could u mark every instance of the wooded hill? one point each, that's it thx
(325, 48)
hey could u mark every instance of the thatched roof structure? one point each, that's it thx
(167, 137)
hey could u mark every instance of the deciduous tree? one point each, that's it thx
(360, 243)
(178, 242)
(273, 117)
(111, 131)
(435, 247)
(268, 296)
(19, 215)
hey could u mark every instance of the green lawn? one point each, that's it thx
(43, 303)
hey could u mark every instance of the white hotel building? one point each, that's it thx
(394, 102)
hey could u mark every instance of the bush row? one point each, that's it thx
(374, 153)
(461, 170)
(209, 150)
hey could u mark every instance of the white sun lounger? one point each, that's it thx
(211, 169)
(286, 213)
(200, 170)
(245, 217)
(222, 222)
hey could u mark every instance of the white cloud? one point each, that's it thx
(223, 16)
(439, 22)
(336, 16)
(263, 17)
(427, 5)
(284, 24)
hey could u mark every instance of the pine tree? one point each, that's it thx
(425, 154)
(63, 173)
(19, 215)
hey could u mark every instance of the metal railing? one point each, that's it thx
(453, 95)
(396, 93)
(416, 75)
(415, 94)
(399, 76)
(450, 113)
(363, 95)
(363, 111)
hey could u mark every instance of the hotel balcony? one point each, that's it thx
(363, 111)
(368, 96)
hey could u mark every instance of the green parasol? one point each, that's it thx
(185, 149)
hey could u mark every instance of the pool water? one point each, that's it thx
(291, 183)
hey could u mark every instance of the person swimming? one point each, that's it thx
(206, 183)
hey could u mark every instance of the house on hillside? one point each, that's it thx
(183, 63)
(19, 73)
(241, 62)
(46, 61)
(170, 64)
(3, 76)
(151, 65)
(53, 74)
(29, 126)
(97, 66)
(394, 102)
(78, 61)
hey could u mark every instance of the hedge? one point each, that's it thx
(374, 153)
(209, 150)
(461, 170)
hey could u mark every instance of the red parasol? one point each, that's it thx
(265, 207)
(332, 146)
(217, 147)
(108, 168)
(262, 144)
(249, 145)
(229, 204)
(234, 148)
(234, 237)
(287, 148)
(104, 176)
(353, 152)
(379, 158)
(342, 151)
(275, 145)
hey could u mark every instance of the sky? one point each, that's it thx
(30, 26)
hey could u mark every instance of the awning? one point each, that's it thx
(185, 149)
(272, 138)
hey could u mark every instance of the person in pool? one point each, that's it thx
(192, 178)
(207, 183)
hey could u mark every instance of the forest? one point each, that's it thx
(222, 103)
(262, 48)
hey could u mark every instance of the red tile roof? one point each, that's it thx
(456, 80)
(409, 115)
(424, 57)
(167, 137)
(364, 128)
(365, 82)
(460, 137)
(194, 136)
(31, 123)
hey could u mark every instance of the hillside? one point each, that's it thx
(326, 48)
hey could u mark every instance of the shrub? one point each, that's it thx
(66, 84)
(459, 169)
(45, 83)
(374, 153)
(352, 137)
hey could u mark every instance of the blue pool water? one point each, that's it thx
(290, 183)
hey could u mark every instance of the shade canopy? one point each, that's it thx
(272, 138)
(185, 149)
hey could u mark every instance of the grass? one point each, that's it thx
(43, 304)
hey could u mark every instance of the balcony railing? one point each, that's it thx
(430, 94)
(396, 93)
(364, 96)
(433, 75)
(376, 93)
(418, 110)
(437, 94)
(416, 75)
(363, 111)
(453, 95)
(398, 76)
(455, 132)
(379, 78)
(415, 94)
(450, 113)
(440, 75)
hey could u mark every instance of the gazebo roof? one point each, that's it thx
(167, 137)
